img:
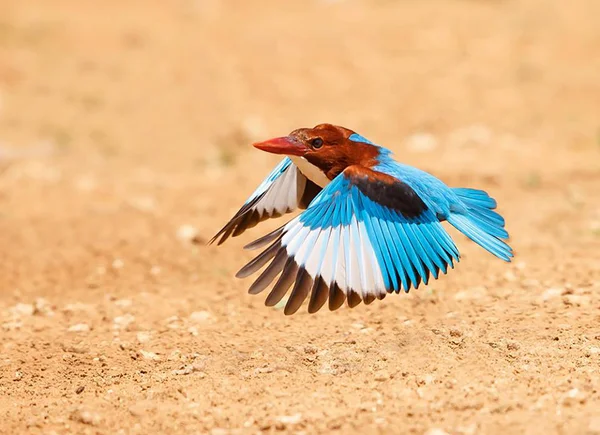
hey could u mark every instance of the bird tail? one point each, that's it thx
(481, 224)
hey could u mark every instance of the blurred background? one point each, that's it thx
(125, 132)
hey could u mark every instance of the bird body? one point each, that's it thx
(371, 225)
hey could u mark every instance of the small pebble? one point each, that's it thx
(455, 333)
(85, 417)
(79, 327)
(512, 345)
(187, 233)
(23, 309)
(201, 317)
(150, 355)
(189, 369)
(381, 376)
(574, 397)
(144, 336)
(122, 322)
(118, 263)
(552, 293)
(289, 419)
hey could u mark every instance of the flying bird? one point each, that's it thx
(370, 225)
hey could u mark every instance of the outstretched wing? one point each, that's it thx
(365, 235)
(283, 191)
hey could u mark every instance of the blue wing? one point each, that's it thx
(469, 210)
(365, 234)
(283, 191)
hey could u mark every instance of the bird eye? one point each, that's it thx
(317, 142)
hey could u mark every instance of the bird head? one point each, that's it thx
(328, 147)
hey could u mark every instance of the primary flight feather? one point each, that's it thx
(370, 225)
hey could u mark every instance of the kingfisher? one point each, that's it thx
(369, 226)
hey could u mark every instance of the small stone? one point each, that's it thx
(380, 421)
(118, 264)
(552, 293)
(191, 368)
(426, 380)
(472, 293)
(289, 419)
(512, 345)
(138, 409)
(521, 265)
(79, 390)
(187, 233)
(23, 309)
(574, 397)
(310, 349)
(79, 327)
(144, 336)
(467, 430)
(85, 417)
(43, 307)
(149, 355)
(250, 422)
(76, 349)
(381, 376)
(18, 376)
(577, 300)
(455, 333)
(201, 317)
(122, 322)
(12, 326)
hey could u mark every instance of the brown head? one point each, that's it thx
(328, 147)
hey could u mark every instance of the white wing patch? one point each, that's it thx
(284, 193)
(341, 255)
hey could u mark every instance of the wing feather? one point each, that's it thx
(349, 247)
(283, 191)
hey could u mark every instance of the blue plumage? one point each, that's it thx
(372, 226)
(407, 250)
(469, 210)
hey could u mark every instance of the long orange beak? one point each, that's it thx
(287, 145)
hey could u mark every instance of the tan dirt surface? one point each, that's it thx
(124, 146)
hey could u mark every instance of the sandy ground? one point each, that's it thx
(124, 146)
